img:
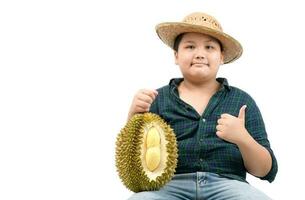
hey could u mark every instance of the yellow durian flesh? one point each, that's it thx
(153, 157)
(152, 138)
(153, 152)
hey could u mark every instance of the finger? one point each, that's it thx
(140, 109)
(155, 92)
(221, 121)
(143, 105)
(219, 127)
(242, 112)
(145, 98)
(151, 93)
(220, 134)
(225, 116)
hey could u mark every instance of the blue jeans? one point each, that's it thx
(202, 185)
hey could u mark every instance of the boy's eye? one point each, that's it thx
(190, 47)
(209, 47)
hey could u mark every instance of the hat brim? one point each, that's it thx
(168, 32)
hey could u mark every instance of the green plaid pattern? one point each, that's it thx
(200, 149)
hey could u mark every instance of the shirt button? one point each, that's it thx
(201, 140)
(203, 120)
(201, 159)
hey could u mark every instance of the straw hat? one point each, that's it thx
(200, 23)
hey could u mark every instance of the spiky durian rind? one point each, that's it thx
(128, 153)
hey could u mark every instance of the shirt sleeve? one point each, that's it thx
(256, 127)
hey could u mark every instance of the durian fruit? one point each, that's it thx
(146, 153)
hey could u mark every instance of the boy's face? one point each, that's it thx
(199, 57)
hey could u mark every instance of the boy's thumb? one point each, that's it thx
(242, 112)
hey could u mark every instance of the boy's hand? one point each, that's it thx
(231, 128)
(142, 101)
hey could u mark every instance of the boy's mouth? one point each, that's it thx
(200, 64)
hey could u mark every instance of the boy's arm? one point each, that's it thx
(257, 159)
(251, 138)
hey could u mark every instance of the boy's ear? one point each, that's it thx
(176, 57)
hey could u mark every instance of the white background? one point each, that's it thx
(69, 70)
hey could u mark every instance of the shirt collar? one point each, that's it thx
(223, 81)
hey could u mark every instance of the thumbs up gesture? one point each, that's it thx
(231, 128)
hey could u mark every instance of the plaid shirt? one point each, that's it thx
(200, 149)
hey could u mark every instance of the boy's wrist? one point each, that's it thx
(245, 140)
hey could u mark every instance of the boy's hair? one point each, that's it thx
(177, 41)
(179, 38)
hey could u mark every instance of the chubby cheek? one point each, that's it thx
(183, 59)
(186, 62)
(216, 59)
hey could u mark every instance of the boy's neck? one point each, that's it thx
(210, 86)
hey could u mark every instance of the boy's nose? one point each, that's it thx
(200, 54)
(200, 57)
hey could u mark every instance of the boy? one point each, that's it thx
(219, 128)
